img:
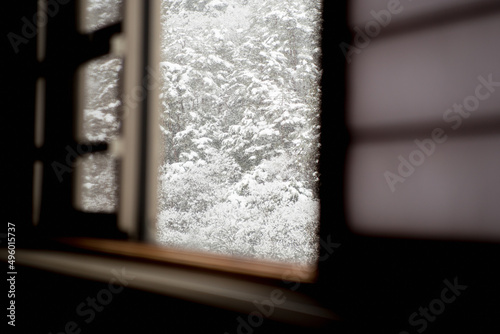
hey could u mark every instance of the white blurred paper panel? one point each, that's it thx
(360, 10)
(454, 193)
(414, 78)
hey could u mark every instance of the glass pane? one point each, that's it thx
(240, 105)
(97, 14)
(100, 123)
(99, 183)
(101, 100)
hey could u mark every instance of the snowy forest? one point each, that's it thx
(239, 121)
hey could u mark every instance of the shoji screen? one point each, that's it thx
(423, 83)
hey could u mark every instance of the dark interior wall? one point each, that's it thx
(374, 287)
(51, 302)
(20, 71)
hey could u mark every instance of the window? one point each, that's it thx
(100, 122)
(239, 118)
(239, 102)
(97, 14)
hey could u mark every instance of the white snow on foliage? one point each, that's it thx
(240, 118)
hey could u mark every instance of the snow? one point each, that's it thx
(171, 66)
(268, 132)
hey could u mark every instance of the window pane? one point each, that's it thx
(99, 183)
(240, 122)
(100, 122)
(98, 14)
(101, 99)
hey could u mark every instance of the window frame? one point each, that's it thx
(59, 220)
